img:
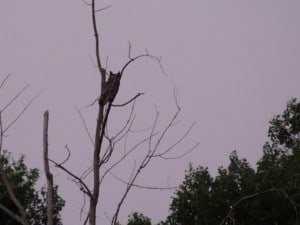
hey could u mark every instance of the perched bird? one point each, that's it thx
(111, 88)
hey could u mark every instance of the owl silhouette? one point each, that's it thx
(111, 88)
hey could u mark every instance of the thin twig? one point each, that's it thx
(142, 186)
(184, 154)
(87, 2)
(124, 156)
(85, 188)
(21, 113)
(14, 98)
(68, 156)
(177, 142)
(85, 126)
(4, 80)
(106, 7)
(126, 103)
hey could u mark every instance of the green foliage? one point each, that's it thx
(138, 219)
(268, 195)
(284, 129)
(23, 181)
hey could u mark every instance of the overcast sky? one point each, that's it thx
(235, 64)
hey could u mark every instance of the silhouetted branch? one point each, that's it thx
(142, 186)
(21, 113)
(184, 154)
(124, 156)
(85, 2)
(106, 7)
(14, 98)
(177, 142)
(120, 105)
(4, 80)
(68, 156)
(85, 126)
(84, 188)
(132, 59)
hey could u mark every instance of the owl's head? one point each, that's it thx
(117, 76)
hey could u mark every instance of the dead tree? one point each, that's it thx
(102, 154)
(104, 144)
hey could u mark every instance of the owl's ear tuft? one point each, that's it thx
(111, 73)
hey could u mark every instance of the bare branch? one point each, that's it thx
(142, 186)
(97, 99)
(84, 188)
(131, 177)
(49, 176)
(83, 205)
(184, 154)
(158, 59)
(68, 156)
(127, 127)
(164, 132)
(85, 2)
(92, 60)
(126, 103)
(21, 113)
(14, 98)
(129, 186)
(104, 8)
(97, 44)
(132, 59)
(177, 142)
(153, 129)
(85, 126)
(116, 138)
(4, 80)
(125, 155)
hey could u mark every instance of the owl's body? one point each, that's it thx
(111, 88)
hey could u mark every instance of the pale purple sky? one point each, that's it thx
(235, 63)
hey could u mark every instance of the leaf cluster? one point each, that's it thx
(23, 181)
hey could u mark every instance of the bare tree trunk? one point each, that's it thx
(99, 127)
(48, 174)
(96, 168)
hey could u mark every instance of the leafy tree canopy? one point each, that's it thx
(239, 194)
(138, 219)
(23, 181)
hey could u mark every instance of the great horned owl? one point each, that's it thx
(111, 88)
